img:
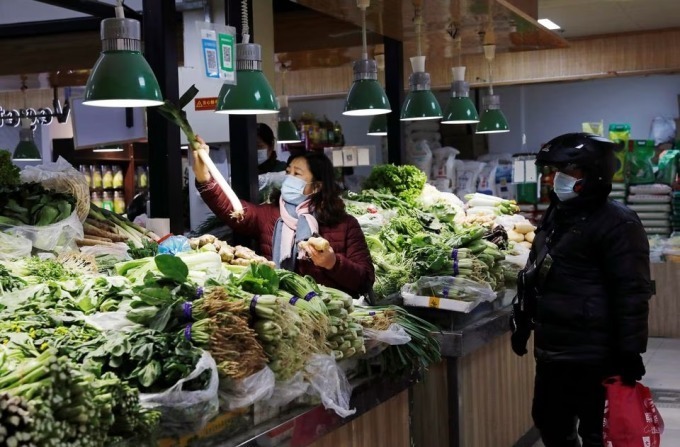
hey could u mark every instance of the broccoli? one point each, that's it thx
(9, 173)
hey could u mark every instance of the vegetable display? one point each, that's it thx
(103, 227)
(32, 204)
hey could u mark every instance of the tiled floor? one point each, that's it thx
(662, 362)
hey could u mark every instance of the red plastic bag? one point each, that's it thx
(630, 416)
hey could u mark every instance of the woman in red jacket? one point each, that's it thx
(309, 204)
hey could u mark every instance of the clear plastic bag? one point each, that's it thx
(286, 392)
(245, 392)
(329, 382)
(662, 130)
(372, 223)
(454, 288)
(377, 341)
(14, 246)
(110, 321)
(61, 177)
(55, 237)
(186, 411)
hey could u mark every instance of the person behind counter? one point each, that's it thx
(585, 293)
(309, 203)
(266, 153)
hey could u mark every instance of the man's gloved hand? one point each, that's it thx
(631, 367)
(519, 339)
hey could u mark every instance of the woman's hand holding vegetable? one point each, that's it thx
(201, 171)
(325, 259)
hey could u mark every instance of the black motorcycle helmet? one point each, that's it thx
(591, 153)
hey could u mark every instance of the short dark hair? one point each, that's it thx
(265, 134)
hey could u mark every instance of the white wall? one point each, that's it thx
(544, 111)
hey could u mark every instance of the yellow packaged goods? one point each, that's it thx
(620, 134)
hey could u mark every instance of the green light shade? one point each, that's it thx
(366, 97)
(378, 126)
(287, 133)
(492, 120)
(420, 105)
(460, 110)
(27, 151)
(122, 77)
(252, 95)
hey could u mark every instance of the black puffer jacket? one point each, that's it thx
(592, 300)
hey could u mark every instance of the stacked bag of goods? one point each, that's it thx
(676, 210)
(422, 137)
(618, 193)
(652, 203)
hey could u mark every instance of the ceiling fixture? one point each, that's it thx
(252, 94)
(286, 133)
(492, 120)
(378, 126)
(366, 97)
(549, 24)
(26, 150)
(460, 109)
(420, 103)
(108, 149)
(122, 77)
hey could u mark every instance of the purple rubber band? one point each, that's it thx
(186, 307)
(454, 254)
(455, 268)
(199, 292)
(293, 300)
(253, 304)
(371, 314)
(187, 332)
(310, 295)
(445, 292)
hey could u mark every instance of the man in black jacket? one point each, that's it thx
(584, 293)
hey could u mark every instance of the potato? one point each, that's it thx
(319, 243)
(524, 227)
(515, 236)
(530, 237)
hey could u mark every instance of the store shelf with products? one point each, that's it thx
(115, 177)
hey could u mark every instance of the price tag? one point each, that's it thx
(434, 302)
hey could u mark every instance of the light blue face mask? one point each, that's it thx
(564, 186)
(292, 190)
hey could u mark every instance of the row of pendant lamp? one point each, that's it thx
(122, 77)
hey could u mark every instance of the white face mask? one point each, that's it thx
(564, 186)
(262, 156)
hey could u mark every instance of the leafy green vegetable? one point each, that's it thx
(149, 248)
(9, 172)
(404, 181)
(259, 279)
(172, 267)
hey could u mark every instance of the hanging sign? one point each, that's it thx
(205, 104)
(209, 51)
(218, 51)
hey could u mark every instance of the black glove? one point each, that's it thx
(631, 367)
(519, 340)
(521, 331)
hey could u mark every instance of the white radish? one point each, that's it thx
(515, 236)
(530, 236)
(525, 244)
(202, 152)
(524, 227)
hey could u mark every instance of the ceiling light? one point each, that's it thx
(286, 133)
(252, 94)
(366, 97)
(378, 126)
(122, 77)
(549, 24)
(460, 109)
(492, 120)
(108, 149)
(420, 103)
(26, 150)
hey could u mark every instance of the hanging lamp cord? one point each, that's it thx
(418, 21)
(245, 28)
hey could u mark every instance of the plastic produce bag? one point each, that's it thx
(57, 236)
(668, 166)
(377, 341)
(328, 381)
(630, 416)
(174, 245)
(268, 183)
(186, 411)
(454, 288)
(243, 393)
(286, 392)
(419, 155)
(110, 321)
(13, 246)
(61, 177)
(663, 130)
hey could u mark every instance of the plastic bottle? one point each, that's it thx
(118, 179)
(107, 177)
(107, 203)
(118, 202)
(95, 199)
(96, 175)
(142, 178)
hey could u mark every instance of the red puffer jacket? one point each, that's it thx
(353, 271)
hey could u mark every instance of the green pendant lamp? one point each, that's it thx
(420, 103)
(492, 120)
(366, 97)
(378, 126)
(122, 77)
(286, 132)
(460, 109)
(252, 94)
(26, 150)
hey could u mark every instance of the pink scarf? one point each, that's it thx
(290, 227)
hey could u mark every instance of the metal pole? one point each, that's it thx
(165, 156)
(394, 88)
